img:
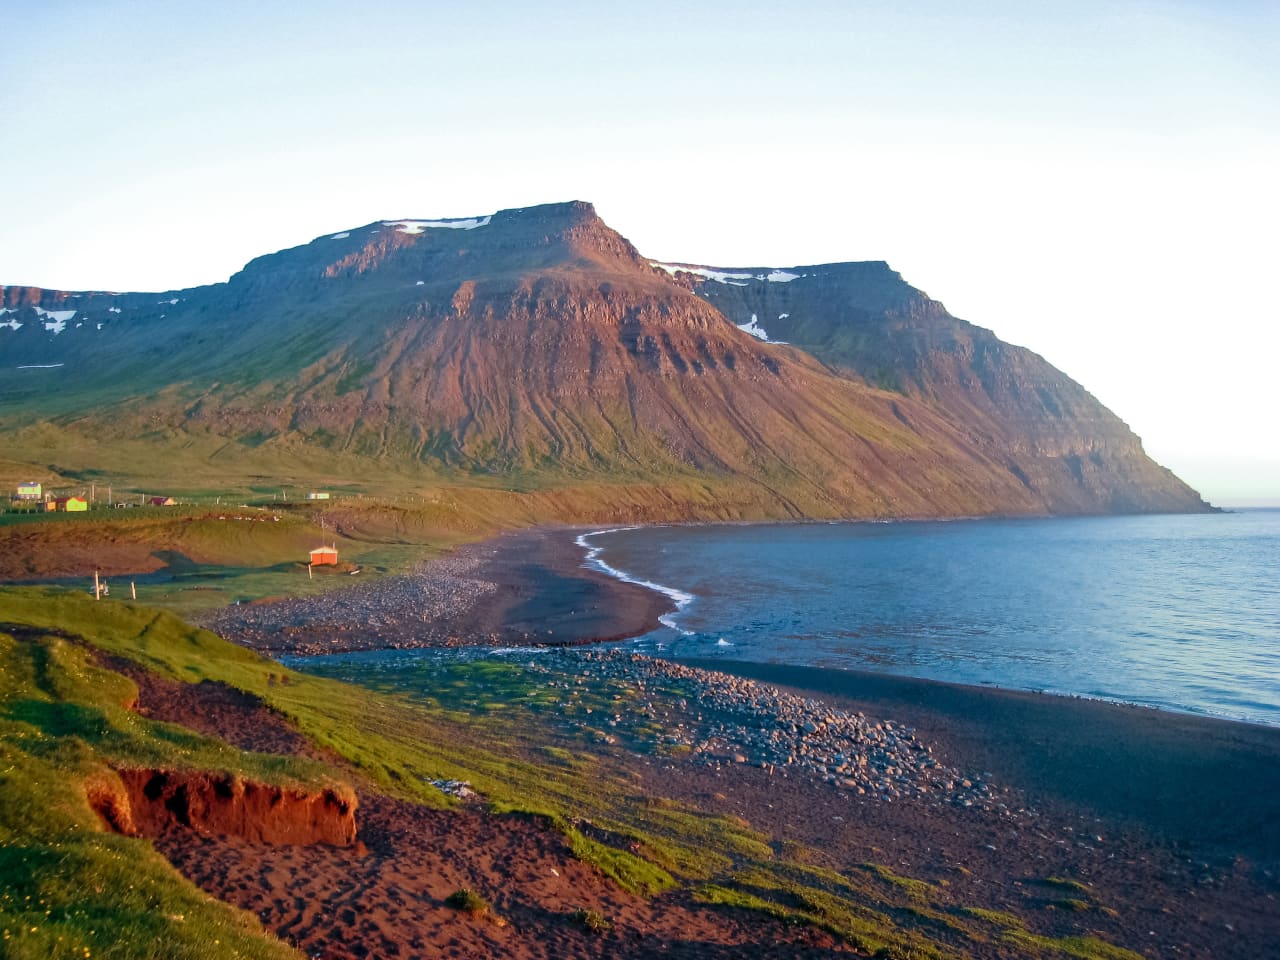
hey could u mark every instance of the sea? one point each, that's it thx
(1178, 612)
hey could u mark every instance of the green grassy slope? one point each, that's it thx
(69, 886)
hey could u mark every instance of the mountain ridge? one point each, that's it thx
(538, 342)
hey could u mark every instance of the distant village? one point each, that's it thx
(31, 497)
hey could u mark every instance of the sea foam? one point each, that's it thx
(678, 597)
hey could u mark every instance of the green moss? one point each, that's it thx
(918, 890)
(629, 871)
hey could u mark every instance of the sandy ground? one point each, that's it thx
(1173, 821)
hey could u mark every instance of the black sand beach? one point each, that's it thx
(526, 587)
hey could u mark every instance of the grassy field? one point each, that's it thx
(70, 887)
(204, 554)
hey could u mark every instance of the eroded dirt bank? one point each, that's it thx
(148, 802)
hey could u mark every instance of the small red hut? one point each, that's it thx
(324, 556)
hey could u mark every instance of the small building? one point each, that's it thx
(324, 556)
(70, 504)
(318, 495)
(29, 491)
(163, 502)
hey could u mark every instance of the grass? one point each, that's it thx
(467, 901)
(1014, 931)
(591, 920)
(917, 890)
(194, 559)
(1067, 884)
(63, 723)
(67, 888)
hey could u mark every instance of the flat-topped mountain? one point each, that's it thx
(538, 344)
(863, 319)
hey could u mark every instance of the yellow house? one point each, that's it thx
(70, 504)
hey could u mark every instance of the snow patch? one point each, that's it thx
(341, 236)
(783, 316)
(420, 283)
(418, 226)
(12, 323)
(55, 321)
(719, 276)
(113, 310)
(40, 366)
(724, 276)
(58, 316)
(753, 327)
(172, 302)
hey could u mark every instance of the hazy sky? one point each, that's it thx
(1098, 183)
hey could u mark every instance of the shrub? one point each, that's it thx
(467, 900)
(591, 920)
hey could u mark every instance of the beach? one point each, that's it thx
(1155, 830)
(525, 587)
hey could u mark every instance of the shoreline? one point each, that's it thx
(1174, 772)
(544, 587)
(1171, 709)
(1152, 829)
(1190, 779)
(526, 587)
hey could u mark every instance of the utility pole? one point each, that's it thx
(97, 586)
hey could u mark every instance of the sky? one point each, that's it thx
(1094, 181)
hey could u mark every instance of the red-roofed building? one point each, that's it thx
(324, 556)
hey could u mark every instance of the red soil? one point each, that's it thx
(386, 897)
(225, 805)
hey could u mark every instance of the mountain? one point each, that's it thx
(538, 346)
(863, 319)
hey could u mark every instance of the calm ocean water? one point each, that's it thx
(1178, 612)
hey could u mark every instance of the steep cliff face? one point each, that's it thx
(539, 342)
(862, 319)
